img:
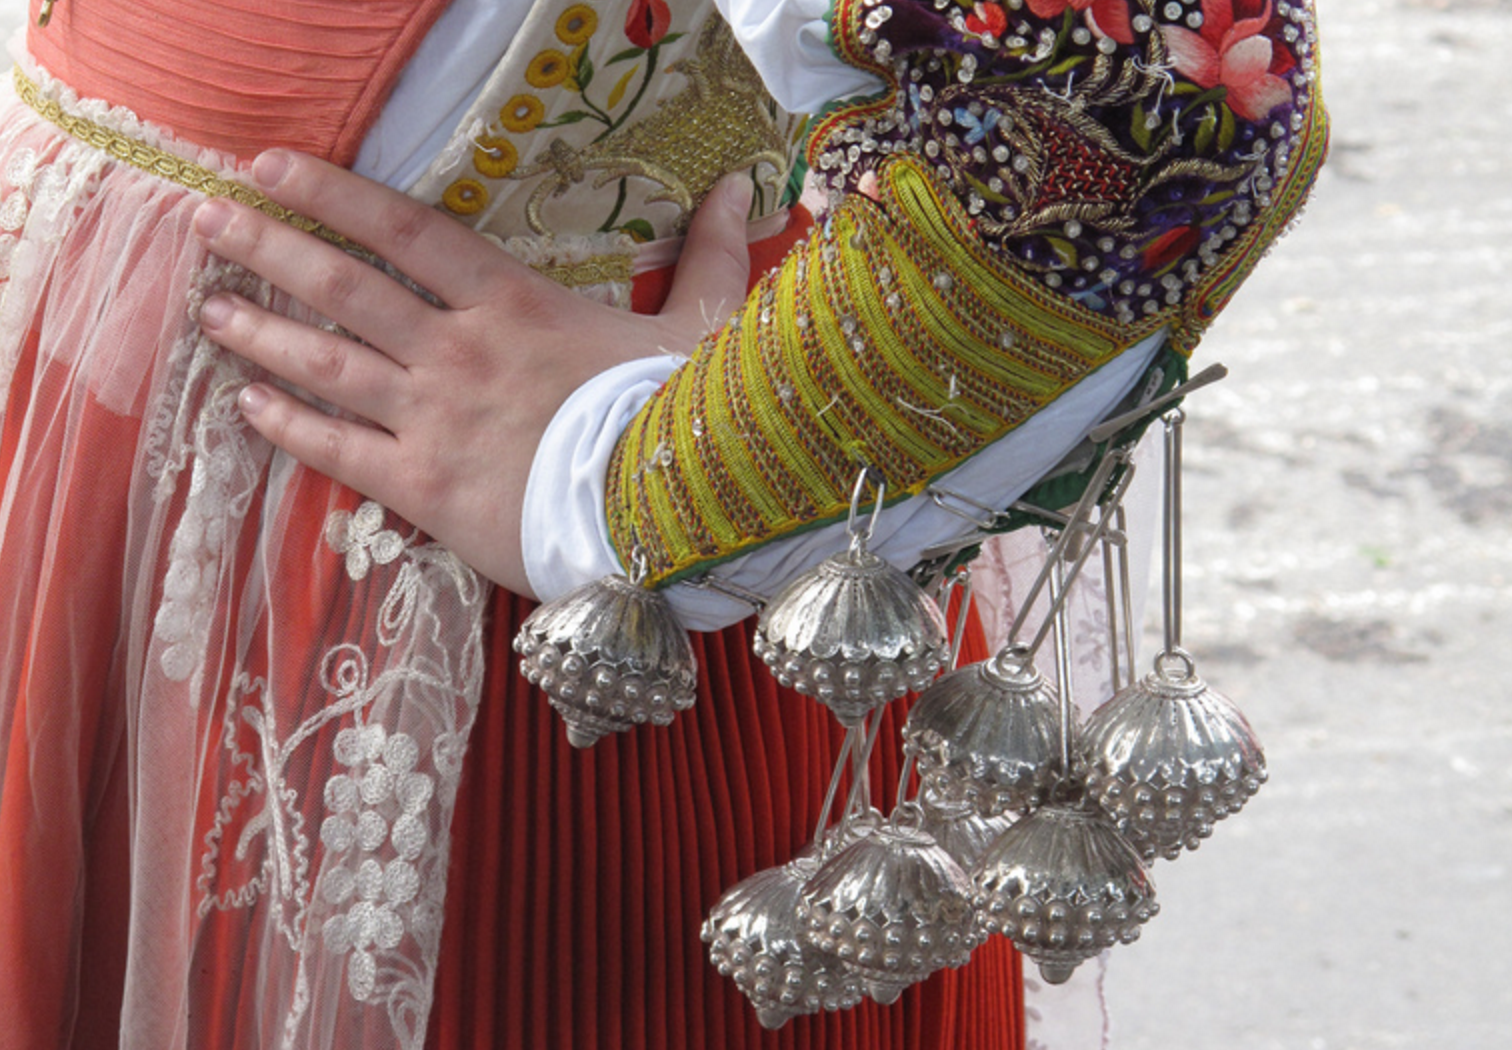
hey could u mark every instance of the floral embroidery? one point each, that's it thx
(987, 21)
(382, 786)
(521, 114)
(465, 197)
(1129, 155)
(548, 69)
(647, 22)
(362, 538)
(576, 24)
(1238, 55)
(1105, 18)
(495, 156)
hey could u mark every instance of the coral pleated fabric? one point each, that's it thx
(240, 76)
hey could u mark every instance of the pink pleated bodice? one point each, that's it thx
(239, 75)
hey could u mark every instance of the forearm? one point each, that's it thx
(1013, 214)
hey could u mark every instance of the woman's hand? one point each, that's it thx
(456, 397)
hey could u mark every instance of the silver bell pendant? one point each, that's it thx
(1063, 885)
(988, 735)
(755, 938)
(609, 656)
(995, 734)
(893, 907)
(1168, 757)
(959, 829)
(854, 633)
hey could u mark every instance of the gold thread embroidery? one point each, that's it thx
(598, 269)
(719, 123)
(163, 164)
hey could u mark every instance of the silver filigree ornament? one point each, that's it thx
(754, 938)
(959, 829)
(1168, 757)
(854, 633)
(893, 907)
(988, 734)
(610, 655)
(1063, 885)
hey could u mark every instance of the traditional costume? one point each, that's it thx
(268, 774)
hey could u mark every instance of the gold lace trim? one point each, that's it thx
(597, 269)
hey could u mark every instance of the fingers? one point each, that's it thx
(333, 368)
(716, 264)
(355, 455)
(437, 252)
(357, 296)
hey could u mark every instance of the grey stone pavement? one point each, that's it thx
(1349, 552)
(1349, 549)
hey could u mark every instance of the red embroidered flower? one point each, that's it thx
(1234, 53)
(1108, 18)
(987, 21)
(1170, 246)
(647, 22)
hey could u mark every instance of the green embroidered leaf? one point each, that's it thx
(1137, 128)
(1217, 198)
(625, 55)
(618, 91)
(1225, 128)
(1065, 249)
(1067, 66)
(669, 38)
(570, 117)
(584, 72)
(640, 230)
(1185, 87)
(990, 194)
(1207, 130)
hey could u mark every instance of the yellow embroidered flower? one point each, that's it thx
(465, 197)
(577, 24)
(495, 156)
(521, 114)
(548, 69)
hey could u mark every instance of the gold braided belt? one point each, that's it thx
(597, 269)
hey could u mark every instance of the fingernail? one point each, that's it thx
(269, 168)
(210, 219)
(735, 192)
(216, 312)
(252, 399)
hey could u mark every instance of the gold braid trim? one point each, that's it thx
(891, 337)
(599, 269)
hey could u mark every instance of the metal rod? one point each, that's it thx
(1108, 427)
(860, 778)
(1114, 499)
(1171, 534)
(841, 760)
(1060, 586)
(1126, 592)
(1083, 508)
(963, 612)
(902, 796)
(1110, 601)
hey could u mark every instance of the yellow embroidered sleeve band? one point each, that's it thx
(1044, 184)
